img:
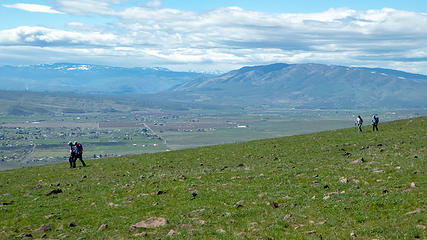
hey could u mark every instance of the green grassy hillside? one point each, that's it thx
(328, 185)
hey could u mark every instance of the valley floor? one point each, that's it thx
(42, 139)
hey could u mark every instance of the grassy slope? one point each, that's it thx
(300, 173)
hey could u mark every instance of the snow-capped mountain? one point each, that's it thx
(89, 78)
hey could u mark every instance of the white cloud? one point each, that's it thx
(75, 24)
(42, 37)
(32, 8)
(82, 27)
(154, 4)
(232, 37)
(85, 7)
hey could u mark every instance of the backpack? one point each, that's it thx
(73, 149)
(79, 147)
(375, 120)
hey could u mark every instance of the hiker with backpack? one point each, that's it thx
(375, 121)
(359, 122)
(72, 158)
(79, 153)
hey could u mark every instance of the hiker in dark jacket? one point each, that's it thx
(79, 152)
(359, 122)
(375, 121)
(72, 158)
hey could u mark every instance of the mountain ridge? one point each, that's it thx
(309, 85)
(313, 85)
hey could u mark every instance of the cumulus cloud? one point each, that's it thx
(86, 7)
(326, 37)
(42, 37)
(232, 37)
(32, 8)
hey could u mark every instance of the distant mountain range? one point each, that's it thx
(312, 86)
(276, 85)
(88, 78)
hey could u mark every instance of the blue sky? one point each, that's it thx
(14, 17)
(293, 6)
(220, 35)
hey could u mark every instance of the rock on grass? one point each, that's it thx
(199, 211)
(143, 234)
(419, 210)
(102, 227)
(357, 161)
(377, 170)
(7, 203)
(111, 204)
(55, 191)
(25, 235)
(274, 204)
(43, 228)
(193, 195)
(152, 222)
